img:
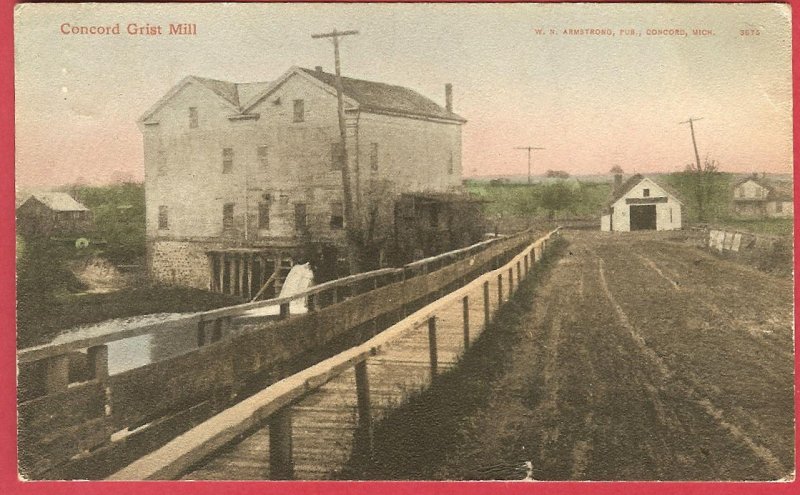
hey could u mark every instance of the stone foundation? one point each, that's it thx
(179, 263)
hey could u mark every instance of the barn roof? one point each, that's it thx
(629, 184)
(58, 201)
(378, 96)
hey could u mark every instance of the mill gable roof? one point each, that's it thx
(370, 96)
(378, 96)
(58, 201)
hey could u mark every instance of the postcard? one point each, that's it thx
(295, 241)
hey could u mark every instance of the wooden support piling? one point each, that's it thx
(365, 434)
(281, 462)
(432, 346)
(465, 303)
(222, 273)
(231, 277)
(240, 263)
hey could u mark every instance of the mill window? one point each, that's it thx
(373, 156)
(227, 216)
(337, 156)
(194, 118)
(299, 111)
(337, 215)
(163, 217)
(300, 217)
(227, 160)
(263, 216)
(262, 152)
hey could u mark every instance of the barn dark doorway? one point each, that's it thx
(643, 217)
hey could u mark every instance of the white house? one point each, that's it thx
(758, 197)
(641, 204)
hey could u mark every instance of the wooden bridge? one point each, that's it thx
(276, 399)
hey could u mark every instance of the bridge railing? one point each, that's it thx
(273, 405)
(88, 426)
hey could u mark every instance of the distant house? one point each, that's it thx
(756, 197)
(641, 204)
(52, 213)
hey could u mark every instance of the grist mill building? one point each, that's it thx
(240, 178)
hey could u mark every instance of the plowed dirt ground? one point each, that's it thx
(636, 359)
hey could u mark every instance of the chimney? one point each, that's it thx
(617, 182)
(318, 69)
(448, 97)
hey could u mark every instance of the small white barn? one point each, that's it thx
(641, 204)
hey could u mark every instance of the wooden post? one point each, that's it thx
(217, 335)
(465, 303)
(364, 406)
(231, 277)
(201, 333)
(221, 273)
(510, 281)
(284, 313)
(212, 286)
(486, 310)
(241, 275)
(249, 276)
(57, 374)
(432, 346)
(527, 263)
(97, 358)
(281, 463)
(519, 274)
(499, 290)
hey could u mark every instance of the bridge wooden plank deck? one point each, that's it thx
(324, 422)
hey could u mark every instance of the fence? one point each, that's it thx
(273, 405)
(87, 424)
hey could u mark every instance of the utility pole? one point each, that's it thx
(349, 216)
(530, 149)
(694, 142)
(348, 200)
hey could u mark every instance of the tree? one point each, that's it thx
(703, 185)
(557, 174)
(558, 196)
(616, 170)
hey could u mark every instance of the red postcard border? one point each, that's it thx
(9, 483)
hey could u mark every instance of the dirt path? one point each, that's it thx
(641, 359)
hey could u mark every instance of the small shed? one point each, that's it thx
(53, 213)
(641, 204)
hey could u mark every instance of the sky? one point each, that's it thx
(591, 100)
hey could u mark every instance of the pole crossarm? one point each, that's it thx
(691, 122)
